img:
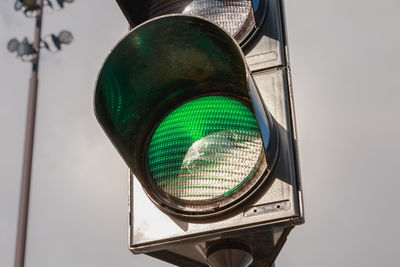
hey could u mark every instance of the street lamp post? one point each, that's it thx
(28, 149)
(24, 49)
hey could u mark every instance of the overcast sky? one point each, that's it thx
(344, 58)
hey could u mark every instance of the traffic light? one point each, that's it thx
(197, 100)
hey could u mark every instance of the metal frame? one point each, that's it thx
(263, 224)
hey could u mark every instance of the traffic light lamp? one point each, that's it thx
(197, 100)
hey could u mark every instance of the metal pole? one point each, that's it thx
(28, 150)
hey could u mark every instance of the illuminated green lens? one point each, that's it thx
(205, 149)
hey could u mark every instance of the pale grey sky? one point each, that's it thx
(344, 58)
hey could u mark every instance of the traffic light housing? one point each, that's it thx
(202, 114)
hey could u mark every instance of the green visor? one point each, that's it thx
(180, 79)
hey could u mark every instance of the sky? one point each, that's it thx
(344, 61)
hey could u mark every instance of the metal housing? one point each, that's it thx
(263, 224)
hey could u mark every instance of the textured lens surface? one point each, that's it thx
(228, 14)
(205, 149)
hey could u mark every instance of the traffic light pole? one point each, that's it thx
(28, 150)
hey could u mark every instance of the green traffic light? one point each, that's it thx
(174, 98)
(205, 149)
